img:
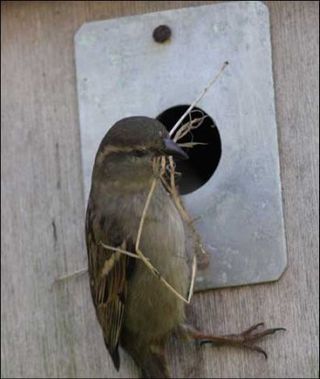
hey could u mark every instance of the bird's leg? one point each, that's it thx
(246, 339)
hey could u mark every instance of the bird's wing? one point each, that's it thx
(109, 272)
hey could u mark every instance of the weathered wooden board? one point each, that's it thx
(51, 331)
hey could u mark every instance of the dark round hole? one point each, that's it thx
(203, 159)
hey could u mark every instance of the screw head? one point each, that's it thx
(161, 33)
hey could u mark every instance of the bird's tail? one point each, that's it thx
(148, 356)
(154, 365)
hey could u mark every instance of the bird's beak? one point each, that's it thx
(171, 148)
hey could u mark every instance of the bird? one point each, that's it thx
(133, 307)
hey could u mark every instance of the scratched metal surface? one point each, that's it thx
(122, 72)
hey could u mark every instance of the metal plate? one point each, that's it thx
(122, 72)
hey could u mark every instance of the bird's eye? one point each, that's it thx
(140, 153)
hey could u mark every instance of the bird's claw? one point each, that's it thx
(250, 336)
(245, 339)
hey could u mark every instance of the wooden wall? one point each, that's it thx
(51, 331)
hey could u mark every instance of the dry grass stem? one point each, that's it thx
(139, 252)
(177, 200)
(175, 194)
(80, 272)
(188, 126)
(191, 144)
(85, 269)
(116, 249)
(193, 277)
(170, 185)
(196, 101)
(145, 209)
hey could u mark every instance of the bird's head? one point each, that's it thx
(127, 150)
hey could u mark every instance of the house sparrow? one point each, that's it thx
(134, 308)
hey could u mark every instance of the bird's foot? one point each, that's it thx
(246, 339)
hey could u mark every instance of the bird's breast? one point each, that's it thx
(163, 243)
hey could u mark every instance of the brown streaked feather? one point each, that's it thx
(109, 272)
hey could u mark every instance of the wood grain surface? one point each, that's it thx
(51, 330)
